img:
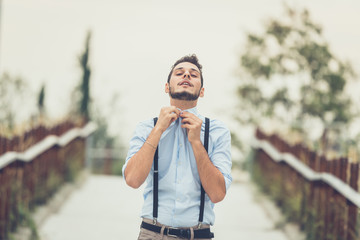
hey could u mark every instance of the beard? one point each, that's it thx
(184, 95)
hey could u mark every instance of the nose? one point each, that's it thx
(186, 74)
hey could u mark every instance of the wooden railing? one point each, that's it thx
(33, 166)
(319, 194)
(23, 141)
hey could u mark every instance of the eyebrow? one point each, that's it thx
(181, 68)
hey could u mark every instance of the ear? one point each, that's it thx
(167, 89)
(202, 92)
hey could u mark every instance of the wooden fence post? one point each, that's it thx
(352, 231)
(342, 207)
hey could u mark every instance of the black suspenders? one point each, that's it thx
(202, 201)
(155, 182)
(156, 178)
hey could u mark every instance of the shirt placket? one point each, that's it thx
(179, 169)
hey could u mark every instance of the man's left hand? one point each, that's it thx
(193, 125)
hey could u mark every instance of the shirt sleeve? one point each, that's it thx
(220, 155)
(140, 135)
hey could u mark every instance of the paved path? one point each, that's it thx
(105, 208)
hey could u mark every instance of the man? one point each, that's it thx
(172, 196)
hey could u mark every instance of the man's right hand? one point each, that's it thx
(166, 117)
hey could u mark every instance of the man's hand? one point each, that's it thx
(193, 125)
(166, 117)
(139, 165)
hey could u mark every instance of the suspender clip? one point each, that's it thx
(154, 221)
(199, 225)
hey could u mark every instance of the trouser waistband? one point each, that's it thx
(184, 233)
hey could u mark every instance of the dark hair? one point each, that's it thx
(191, 59)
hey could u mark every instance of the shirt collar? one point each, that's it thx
(191, 110)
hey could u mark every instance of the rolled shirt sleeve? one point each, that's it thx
(220, 155)
(140, 135)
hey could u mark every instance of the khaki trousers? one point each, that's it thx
(150, 235)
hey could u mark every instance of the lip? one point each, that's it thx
(185, 81)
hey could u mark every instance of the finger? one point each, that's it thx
(177, 111)
(167, 115)
(188, 121)
(173, 116)
(191, 125)
(167, 109)
(192, 120)
(187, 126)
(186, 114)
(173, 109)
(190, 115)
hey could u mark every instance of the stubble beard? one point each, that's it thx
(185, 96)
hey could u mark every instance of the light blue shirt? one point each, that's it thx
(179, 181)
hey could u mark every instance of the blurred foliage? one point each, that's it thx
(41, 101)
(290, 74)
(90, 110)
(104, 139)
(235, 141)
(12, 90)
(81, 95)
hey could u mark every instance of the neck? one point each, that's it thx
(183, 105)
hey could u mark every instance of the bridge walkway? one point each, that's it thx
(104, 207)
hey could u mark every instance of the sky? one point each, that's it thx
(135, 42)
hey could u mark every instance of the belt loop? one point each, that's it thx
(192, 233)
(162, 231)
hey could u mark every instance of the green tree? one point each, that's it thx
(81, 94)
(41, 100)
(291, 75)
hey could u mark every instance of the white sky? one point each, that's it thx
(135, 42)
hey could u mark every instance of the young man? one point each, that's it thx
(172, 198)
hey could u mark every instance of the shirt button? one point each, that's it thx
(181, 145)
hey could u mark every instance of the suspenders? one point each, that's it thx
(156, 178)
(202, 201)
(155, 182)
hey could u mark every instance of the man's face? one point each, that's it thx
(185, 82)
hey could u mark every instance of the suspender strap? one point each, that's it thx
(155, 182)
(202, 198)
